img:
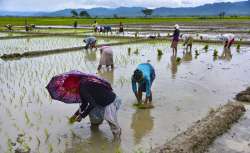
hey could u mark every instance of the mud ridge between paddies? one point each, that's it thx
(198, 137)
(17, 56)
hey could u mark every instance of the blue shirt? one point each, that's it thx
(90, 40)
(148, 78)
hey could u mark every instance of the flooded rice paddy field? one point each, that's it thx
(182, 93)
(7, 34)
(195, 35)
(69, 30)
(8, 46)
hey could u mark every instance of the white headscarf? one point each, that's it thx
(177, 26)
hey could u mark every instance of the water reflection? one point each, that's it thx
(226, 54)
(174, 66)
(90, 55)
(98, 142)
(142, 124)
(187, 56)
(108, 75)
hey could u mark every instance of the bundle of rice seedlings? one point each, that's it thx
(215, 53)
(159, 52)
(206, 47)
(197, 52)
(178, 59)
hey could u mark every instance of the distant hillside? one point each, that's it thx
(236, 8)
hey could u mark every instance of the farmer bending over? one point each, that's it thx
(90, 42)
(188, 41)
(106, 57)
(144, 76)
(107, 29)
(228, 40)
(100, 103)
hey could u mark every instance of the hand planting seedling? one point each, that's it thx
(143, 106)
(215, 53)
(71, 120)
(159, 52)
(238, 47)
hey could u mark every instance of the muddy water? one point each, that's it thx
(43, 43)
(182, 93)
(3, 34)
(196, 35)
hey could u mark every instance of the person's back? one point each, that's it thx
(144, 76)
(101, 95)
(176, 35)
(90, 39)
(99, 102)
(146, 69)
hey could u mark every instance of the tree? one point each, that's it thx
(222, 14)
(84, 14)
(75, 24)
(115, 16)
(74, 13)
(147, 12)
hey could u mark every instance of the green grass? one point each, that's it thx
(70, 20)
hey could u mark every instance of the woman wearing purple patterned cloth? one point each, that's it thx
(175, 40)
(95, 95)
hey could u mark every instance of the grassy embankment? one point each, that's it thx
(19, 21)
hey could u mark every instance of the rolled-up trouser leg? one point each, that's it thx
(110, 116)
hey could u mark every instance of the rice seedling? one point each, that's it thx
(159, 52)
(206, 47)
(27, 119)
(50, 148)
(59, 141)
(71, 120)
(178, 59)
(10, 145)
(139, 151)
(38, 141)
(215, 54)
(136, 51)
(46, 132)
(238, 46)
(197, 53)
(118, 150)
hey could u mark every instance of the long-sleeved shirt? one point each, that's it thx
(176, 35)
(92, 94)
(90, 40)
(227, 37)
(148, 77)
